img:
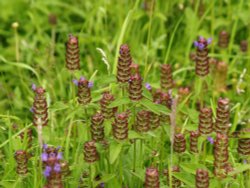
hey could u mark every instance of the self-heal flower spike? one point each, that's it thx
(205, 121)
(244, 46)
(135, 84)
(124, 62)
(40, 109)
(120, 126)
(84, 92)
(107, 112)
(222, 116)
(244, 144)
(142, 124)
(201, 178)
(97, 127)
(194, 135)
(220, 155)
(223, 39)
(152, 178)
(90, 152)
(148, 86)
(166, 77)
(201, 59)
(176, 183)
(27, 136)
(179, 143)
(72, 53)
(21, 157)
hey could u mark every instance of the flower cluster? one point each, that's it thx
(106, 99)
(220, 155)
(152, 178)
(142, 121)
(135, 83)
(222, 116)
(21, 157)
(51, 158)
(124, 62)
(179, 143)
(205, 121)
(72, 54)
(27, 136)
(201, 178)
(244, 144)
(201, 59)
(39, 109)
(84, 92)
(194, 135)
(166, 77)
(223, 39)
(120, 126)
(97, 127)
(90, 152)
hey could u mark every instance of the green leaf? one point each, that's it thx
(240, 168)
(192, 167)
(185, 178)
(133, 134)
(156, 108)
(58, 106)
(119, 102)
(115, 149)
(106, 79)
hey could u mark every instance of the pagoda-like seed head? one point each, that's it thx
(179, 143)
(27, 134)
(90, 152)
(223, 39)
(152, 178)
(202, 178)
(220, 155)
(84, 91)
(72, 54)
(124, 62)
(107, 112)
(244, 143)
(39, 108)
(135, 85)
(222, 116)
(205, 121)
(52, 19)
(166, 77)
(202, 60)
(244, 46)
(142, 121)
(120, 126)
(97, 128)
(194, 135)
(183, 92)
(21, 157)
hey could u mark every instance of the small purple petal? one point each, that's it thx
(52, 154)
(44, 156)
(102, 185)
(75, 82)
(210, 139)
(82, 78)
(45, 146)
(32, 109)
(201, 38)
(33, 87)
(57, 167)
(59, 156)
(245, 161)
(47, 171)
(148, 86)
(196, 44)
(90, 84)
(209, 40)
(58, 147)
(201, 46)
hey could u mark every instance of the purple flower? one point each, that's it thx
(209, 40)
(57, 167)
(33, 87)
(102, 185)
(82, 78)
(148, 86)
(75, 82)
(90, 84)
(59, 156)
(32, 109)
(202, 43)
(44, 156)
(47, 171)
(245, 161)
(45, 146)
(210, 139)
(52, 154)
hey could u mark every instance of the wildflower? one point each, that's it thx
(90, 152)
(222, 116)
(194, 135)
(152, 178)
(179, 143)
(84, 92)
(97, 127)
(202, 178)
(142, 121)
(166, 77)
(202, 61)
(244, 144)
(148, 86)
(124, 62)
(135, 84)
(210, 139)
(205, 121)
(223, 39)
(72, 53)
(120, 126)
(21, 157)
(176, 183)
(244, 46)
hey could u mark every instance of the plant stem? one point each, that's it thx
(120, 167)
(91, 176)
(17, 45)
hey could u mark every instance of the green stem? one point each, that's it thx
(121, 167)
(134, 162)
(17, 46)
(91, 175)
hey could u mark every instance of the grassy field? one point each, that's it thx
(172, 125)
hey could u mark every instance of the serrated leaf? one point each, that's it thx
(115, 149)
(156, 108)
(119, 102)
